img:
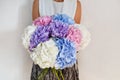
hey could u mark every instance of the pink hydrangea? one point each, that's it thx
(42, 21)
(74, 35)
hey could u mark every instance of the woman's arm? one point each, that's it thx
(35, 10)
(78, 13)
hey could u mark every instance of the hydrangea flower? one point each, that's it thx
(41, 34)
(74, 35)
(27, 35)
(59, 53)
(42, 21)
(45, 54)
(64, 18)
(67, 53)
(58, 29)
(86, 36)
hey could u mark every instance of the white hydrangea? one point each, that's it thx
(86, 36)
(45, 54)
(26, 36)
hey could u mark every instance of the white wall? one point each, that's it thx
(99, 61)
(15, 63)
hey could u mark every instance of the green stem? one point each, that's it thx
(61, 74)
(43, 73)
(55, 72)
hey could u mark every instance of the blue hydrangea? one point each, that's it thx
(67, 53)
(64, 18)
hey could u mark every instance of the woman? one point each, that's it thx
(50, 7)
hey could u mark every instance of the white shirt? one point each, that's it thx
(50, 7)
(58, 7)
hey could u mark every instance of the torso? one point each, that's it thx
(58, 6)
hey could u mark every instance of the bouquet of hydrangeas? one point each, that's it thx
(53, 42)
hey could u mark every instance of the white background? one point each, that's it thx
(99, 61)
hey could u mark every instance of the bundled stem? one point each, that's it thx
(61, 74)
(56, 73)
(43, 73)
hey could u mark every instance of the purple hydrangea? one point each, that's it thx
(41, 34)
(58, 29)
(67, 53)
